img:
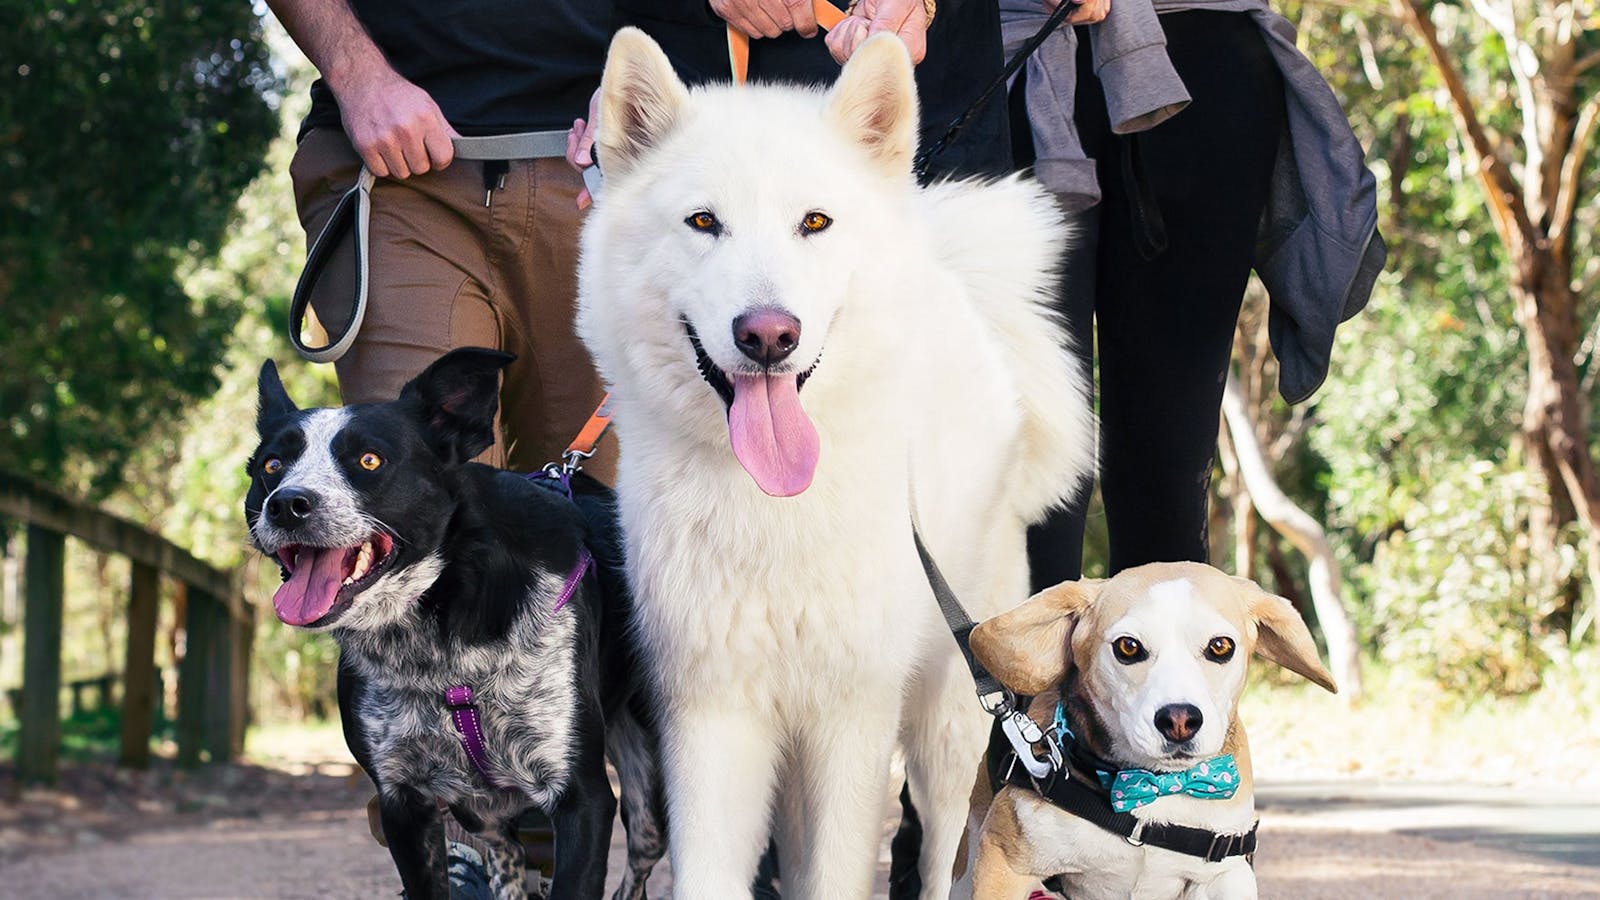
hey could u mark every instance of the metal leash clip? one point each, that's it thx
(1024, 735)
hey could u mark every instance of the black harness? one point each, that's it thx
(1060, 788)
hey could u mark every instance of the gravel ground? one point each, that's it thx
(1356, 803)
(304, 836)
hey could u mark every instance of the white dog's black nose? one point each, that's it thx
(767, 336)
(1178, 722)
(290, 507)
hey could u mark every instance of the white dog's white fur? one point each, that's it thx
(794, 641)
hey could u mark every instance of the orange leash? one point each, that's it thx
(828, 17)
(582, 446)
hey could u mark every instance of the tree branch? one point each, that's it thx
(1566, 206)
(1503, 192)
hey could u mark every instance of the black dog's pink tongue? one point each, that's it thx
(312, 587)
(772, 436)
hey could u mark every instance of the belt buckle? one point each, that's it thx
(1136, 837)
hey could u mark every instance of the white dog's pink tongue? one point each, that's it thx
(772, 436)
(311, 589)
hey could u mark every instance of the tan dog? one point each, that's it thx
(1149, 666)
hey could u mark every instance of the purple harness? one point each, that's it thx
(458, 699)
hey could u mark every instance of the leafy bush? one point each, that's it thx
(1450, 590)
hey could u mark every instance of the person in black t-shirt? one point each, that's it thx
(479, 252)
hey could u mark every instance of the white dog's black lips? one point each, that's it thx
(717, 378)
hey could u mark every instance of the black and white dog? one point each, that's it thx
(483, 655)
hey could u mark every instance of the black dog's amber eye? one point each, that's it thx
(814, 222)
(272, 466)
(704, 221)
(1220, 649)
(1128, 650)
(371, 461)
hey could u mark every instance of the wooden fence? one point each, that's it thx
(218, 624)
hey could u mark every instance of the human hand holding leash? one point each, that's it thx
(1087, 13)
(394, 125)
(767, 18)
(580, 146)
(906, 19)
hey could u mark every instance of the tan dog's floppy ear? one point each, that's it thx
(874, 101)
(1284, 637)
(1026, 648)
(640, 96)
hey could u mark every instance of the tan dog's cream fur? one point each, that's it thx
(1061, 641)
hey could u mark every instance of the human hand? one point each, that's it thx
(907, 19)
(767, 18)
(580, 144)
(1087, 13)
(394, 125)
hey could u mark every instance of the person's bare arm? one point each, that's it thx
(394, 125)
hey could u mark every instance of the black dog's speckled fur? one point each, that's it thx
(466, 597)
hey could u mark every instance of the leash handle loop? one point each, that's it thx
(352, 214)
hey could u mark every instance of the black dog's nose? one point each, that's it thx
(767, 336)
(290, 507)
(1178, 722)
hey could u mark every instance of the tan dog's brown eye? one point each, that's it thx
(1220, 649)
(1128, 650)
(704, 222)
(814, 222)
(371, 461)
(272, 466)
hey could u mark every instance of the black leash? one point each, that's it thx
(991, 693)
(920, 164)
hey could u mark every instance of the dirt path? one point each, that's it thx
(261, 832)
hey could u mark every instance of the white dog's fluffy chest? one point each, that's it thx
(803, 597)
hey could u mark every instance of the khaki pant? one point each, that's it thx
(446, 271)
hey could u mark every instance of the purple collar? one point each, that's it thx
(458, 698)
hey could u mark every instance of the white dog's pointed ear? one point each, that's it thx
(1284, 637)
(1026, 648)
(875, 102)
(640, 96)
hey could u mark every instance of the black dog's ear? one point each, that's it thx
(455, 401)
(273, 403)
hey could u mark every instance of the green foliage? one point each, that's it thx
(127, 131)
(1452, 595)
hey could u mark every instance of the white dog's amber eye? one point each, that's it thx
(371, 461)
(1128, 650)
(1220, 649)
(272, 466)
(704, 221)
(814, 222)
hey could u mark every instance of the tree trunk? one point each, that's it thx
(1301, 530)
(1555, 420)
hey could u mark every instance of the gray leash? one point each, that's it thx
(992, 695)
(354, 212)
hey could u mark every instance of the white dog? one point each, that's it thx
(782, 313)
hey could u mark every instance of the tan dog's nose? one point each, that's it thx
(1178, 722)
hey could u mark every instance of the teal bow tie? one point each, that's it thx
(1214, 779)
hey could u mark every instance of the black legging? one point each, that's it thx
(1166, 316)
